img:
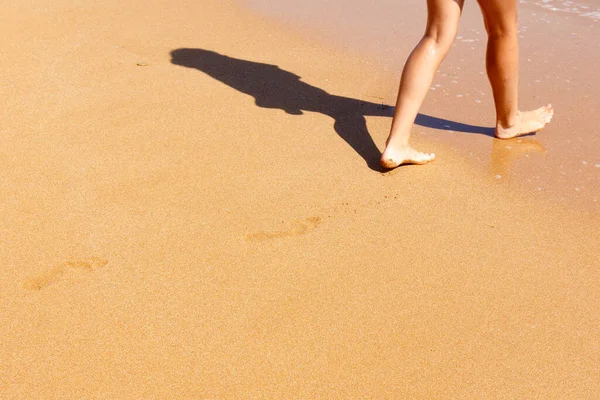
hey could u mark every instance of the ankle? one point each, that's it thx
(397, 140)
(508, 122)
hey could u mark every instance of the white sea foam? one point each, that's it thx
(570, 7)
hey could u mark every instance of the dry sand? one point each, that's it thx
(164, 237)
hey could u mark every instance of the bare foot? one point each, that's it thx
(529, 121)
(394, 157)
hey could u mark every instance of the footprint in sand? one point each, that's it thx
(301, 227)
(54, 274)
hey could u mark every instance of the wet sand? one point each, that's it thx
(561, 163)
(191, 208)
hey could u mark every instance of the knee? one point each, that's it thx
(502, 28)
(441, 36)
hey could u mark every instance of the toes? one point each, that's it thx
(423, 158)
(546, 113)
(547, 116)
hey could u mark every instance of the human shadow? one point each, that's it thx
(273, 87)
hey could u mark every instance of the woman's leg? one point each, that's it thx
(502, 61)
(442, 25)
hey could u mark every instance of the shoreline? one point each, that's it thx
(554, 164)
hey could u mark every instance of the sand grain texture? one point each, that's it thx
(169, 232)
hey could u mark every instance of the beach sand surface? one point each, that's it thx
(558, 44)
(191, 208)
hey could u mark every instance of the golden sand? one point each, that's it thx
(170, 231)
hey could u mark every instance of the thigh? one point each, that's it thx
(500, 16)
(443, 17)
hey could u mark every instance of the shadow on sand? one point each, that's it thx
(273, 87)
